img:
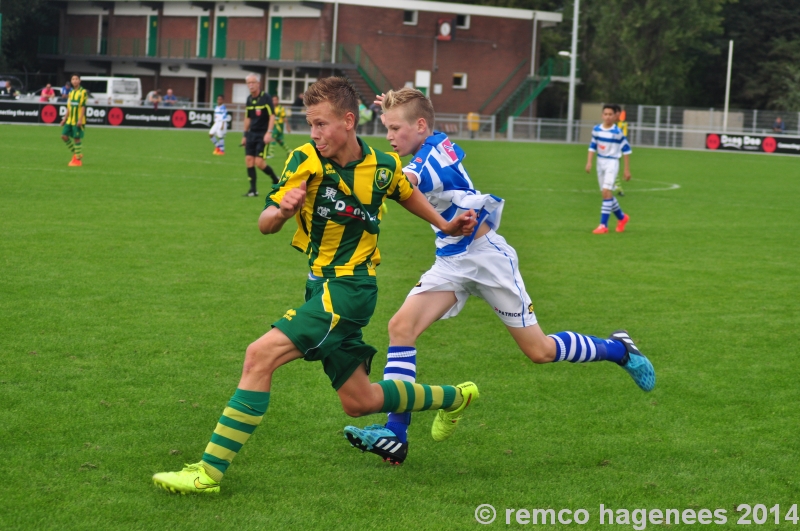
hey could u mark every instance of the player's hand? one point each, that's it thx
(462, 225)
(293, 201)
(244, 138)
(588, 167)
(627, 175)
(379, 99)
(63, 122)
(268, 138)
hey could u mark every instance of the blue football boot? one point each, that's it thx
(378, 440)
(637, 365)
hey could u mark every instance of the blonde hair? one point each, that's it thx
(415, 105)
(337, 91)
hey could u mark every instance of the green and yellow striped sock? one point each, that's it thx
(78, 150)
(238, 421)
(70, 145)
(402, 397)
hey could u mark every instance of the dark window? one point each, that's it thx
(410, 18)
(462, 21)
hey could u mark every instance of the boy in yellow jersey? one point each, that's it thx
(278, 129)
(333, 188)
(74, 122)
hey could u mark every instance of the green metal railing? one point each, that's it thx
(502, 86)
(177, 48)
(524, 95)
(354, 54)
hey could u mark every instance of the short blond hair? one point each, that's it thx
(337, 91)
(415, 105)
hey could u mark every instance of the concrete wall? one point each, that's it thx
(593, 113)
(706, 120)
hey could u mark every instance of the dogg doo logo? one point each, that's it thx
(179, 118)
(49, 114)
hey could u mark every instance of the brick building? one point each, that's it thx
(465, 57)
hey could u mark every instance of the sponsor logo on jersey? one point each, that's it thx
(509, 314)
(530, 308)
(450, 150)
(383, 177)
(417, 159)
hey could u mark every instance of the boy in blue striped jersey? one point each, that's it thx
(480, 264)
(610, 144)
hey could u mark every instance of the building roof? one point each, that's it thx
(412, 5)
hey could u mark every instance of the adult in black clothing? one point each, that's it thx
(258, 122)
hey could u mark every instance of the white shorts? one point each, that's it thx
(607, 170)
(218, 129)
(489, 270)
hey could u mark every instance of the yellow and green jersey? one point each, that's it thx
(280, 115)
(75, 102)
(338, 224)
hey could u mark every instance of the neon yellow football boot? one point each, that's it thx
(192, 479)
(446, 421)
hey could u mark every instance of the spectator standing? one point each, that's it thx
(297, 107)
(47, 93)
(65, 91)
(169, 99)
(778, 126)
(153, 98)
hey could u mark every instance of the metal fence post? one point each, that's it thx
(510, 127)
(658, 122)
(639, 113)
(755, 120)
(494, 123)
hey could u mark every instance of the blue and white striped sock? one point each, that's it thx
(605, 211)
(221, 144)
(578, 348)
(401, 364)
(616, 208)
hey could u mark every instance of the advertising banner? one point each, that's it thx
(52, 113)
(755, 143)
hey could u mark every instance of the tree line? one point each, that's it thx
(675, 52)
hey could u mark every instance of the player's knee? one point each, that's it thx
(64, 138)
(401, 329)
(260, 357)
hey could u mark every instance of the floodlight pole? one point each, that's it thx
(572, 66)
(727, 88)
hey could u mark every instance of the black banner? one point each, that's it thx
(755, 143)
(144, 116)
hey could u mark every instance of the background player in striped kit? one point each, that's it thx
(73, 125)
(333, 187)
(610, 144)
(217, 131)
(280, 126)
(480, 264)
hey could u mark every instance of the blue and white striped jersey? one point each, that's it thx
(447, 186)
(609, 143)
(220, 113)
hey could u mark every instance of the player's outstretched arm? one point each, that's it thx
(419, 206)
(273, 218)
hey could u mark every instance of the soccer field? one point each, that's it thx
(131, 287)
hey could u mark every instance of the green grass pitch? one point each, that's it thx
(130, 288)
